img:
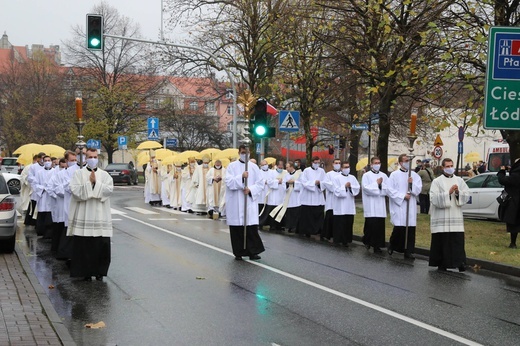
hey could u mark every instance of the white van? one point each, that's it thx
(9, 165)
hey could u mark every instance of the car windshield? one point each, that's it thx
(3, 186)
(9, 162)
(117, 166)
(477, 181)
(493, 182)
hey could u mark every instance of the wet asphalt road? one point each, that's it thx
(174, 281)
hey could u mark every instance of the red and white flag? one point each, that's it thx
(271, 110)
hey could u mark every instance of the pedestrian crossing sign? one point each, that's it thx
(289, 121)
(153, 134)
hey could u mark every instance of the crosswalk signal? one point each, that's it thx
(260, 125)
(94, 31)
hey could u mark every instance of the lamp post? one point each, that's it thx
(80, 144)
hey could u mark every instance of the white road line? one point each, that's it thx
(225, 230)
(142, 210)
(117, 219)
(201, 219)
(163, 219)
(116, 212)
(325, 289)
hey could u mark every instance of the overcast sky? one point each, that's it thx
(49, 22)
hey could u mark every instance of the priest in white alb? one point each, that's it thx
(199, 187)
(404, 187)
(216, 188)
(242, 185)
(448, 193)
(90, 220)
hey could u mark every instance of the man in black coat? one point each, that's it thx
(511, 212)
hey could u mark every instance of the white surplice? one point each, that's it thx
(397, 190)
(374, 204)
(446, 209)
(344, 202)
(310, 193)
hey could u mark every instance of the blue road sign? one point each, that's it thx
(258, 148)
(172, 142)
(289, 121)
(94, 144)
(461, 148)
(122, 142)
(153, 134)
(153, 123)
(359, 127)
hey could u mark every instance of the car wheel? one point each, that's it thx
(14, 183)
(7, 245)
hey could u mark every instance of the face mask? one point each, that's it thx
(243, 157)
(296, 165)
(449, 171)
(192, 164)
(71, 163)
(218, 167)
(376, 167)
(47, 164)
(406, 165)
(346, 171)
(337, 166)
(315, 165)
(264, 167)
(279, 170)
(205, 165)
(179, 168)
(92, 163)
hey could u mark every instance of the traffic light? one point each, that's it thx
(260, 123)
(94, 31)
(342, 142)
(331, 149)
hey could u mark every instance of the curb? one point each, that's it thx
(483, 264)
(52, 315)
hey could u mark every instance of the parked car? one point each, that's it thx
(9, 165)
(484, 189)
(13, 180)
(8, 217)
(122, 173)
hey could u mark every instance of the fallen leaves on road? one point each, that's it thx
(98, 325)
(476, 268)
(51, 287)
(200, 278)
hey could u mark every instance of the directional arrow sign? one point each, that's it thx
(153, 123)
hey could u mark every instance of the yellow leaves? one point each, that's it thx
(98, 325)
(390, 73)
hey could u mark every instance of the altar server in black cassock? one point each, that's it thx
(311, 199)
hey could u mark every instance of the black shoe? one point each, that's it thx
(512, 246)
(254, 257)
(442, 269)
(409, 256)
(87, 278)
(238, 258)
(462, 268)
(377, 250)
(390, 250)
(99, 277)
(367, 246)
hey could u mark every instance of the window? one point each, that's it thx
(476, 182)
(194, 105)
(230, 126)
(210, 106)
(230, 110)
(156, 103)
(229, 93)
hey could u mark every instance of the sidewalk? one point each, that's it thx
(27, 316)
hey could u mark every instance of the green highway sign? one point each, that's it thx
(502, 93)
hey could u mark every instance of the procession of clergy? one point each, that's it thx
(312, 202)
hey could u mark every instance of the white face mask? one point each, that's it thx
(449, 171)
(243, 157)
(406, 165)
(264, 167)
(346, 171)
(205, 165)
(376, 167)
(315, 165)
(218, 167)
(92, 163)
(47, 164)
(71, 163)
(337, 166)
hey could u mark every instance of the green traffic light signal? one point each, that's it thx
(94, 31)
(260, 130)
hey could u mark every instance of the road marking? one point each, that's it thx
(141, 210)
(117, 219)
(163, 219)
(200, 219)
(116, 212)
(324, 288)
(225, 230)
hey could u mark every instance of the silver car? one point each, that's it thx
(484, 189)
(8, 216)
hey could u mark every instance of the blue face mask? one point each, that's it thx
(279, 170)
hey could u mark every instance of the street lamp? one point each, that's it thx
(80, 144)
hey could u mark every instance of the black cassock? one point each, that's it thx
(254, 244)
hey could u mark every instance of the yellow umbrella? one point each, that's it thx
(26, 158)
(270, 160)
(361, 163)
(392, 161)
(472, 157)
(53, 150)
(149, 145)
(143, 157)
(225, 162)
(189, 153)
(229, 152)
(31, 148)
(210, 152)
(169, 160)
(161, 154)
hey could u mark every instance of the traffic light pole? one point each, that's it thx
(201, 51)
